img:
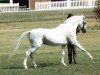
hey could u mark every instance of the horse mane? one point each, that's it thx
(70, 19)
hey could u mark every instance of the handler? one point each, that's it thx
(72, 52)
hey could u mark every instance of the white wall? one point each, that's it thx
(9, 4)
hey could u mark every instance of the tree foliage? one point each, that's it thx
(97, 10)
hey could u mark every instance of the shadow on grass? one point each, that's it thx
(40, 65)
(48, 64)
(13, 67)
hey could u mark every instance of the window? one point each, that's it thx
(4, 1)
(58, 0)
(15, 1)
(24, 3)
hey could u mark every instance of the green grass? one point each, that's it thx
(49, 63)
(42, 15)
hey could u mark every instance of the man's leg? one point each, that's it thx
(74, 55)
(69, 53)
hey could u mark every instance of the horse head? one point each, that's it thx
(82, 24)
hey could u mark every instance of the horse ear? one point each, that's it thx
(83, 16)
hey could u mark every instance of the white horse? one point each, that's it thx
(57, 36)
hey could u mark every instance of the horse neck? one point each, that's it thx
(71, 25)
(75, 27)
(67, 27)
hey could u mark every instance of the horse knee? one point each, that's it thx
(39, 45)
(63, 53)
(27, 53)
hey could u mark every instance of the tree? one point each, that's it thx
(97, 10)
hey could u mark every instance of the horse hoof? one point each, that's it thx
(64, 64)
(26, 68)
(91, 57)
(35, 66)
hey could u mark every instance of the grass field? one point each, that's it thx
(47, 57)
(42, 15)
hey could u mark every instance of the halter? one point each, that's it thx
(83, 29)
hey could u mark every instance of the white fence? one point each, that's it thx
(12, 9)
(69, 4)
(8, 4)
(7, 7)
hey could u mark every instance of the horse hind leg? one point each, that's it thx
(28, 53)
(33, 60)
(25, 59)
(63, 54)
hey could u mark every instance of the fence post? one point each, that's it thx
(49, 5)
(35, 5)
(11, 2)
(90, 3)
(68, 4)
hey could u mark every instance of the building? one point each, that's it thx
(8, 3)
(47, 5)
(27, 3)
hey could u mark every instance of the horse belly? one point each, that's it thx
(54, 41)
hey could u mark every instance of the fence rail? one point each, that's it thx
(7, 7)
(49, 5)
(8, 4)
(12, 8)
(69, 4)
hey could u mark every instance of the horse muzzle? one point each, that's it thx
(83, 30)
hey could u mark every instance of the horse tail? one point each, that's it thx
(19, 41)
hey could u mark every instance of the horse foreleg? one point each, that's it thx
(63, 54)
(76, 43)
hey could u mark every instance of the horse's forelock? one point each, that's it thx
(83, 16)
